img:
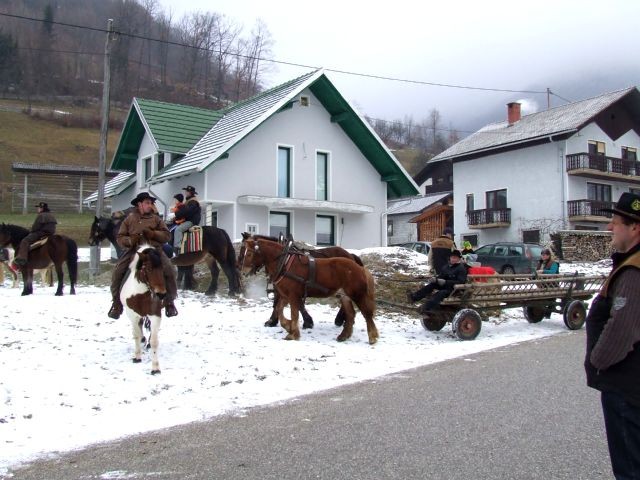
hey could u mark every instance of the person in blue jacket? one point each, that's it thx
(547, 263)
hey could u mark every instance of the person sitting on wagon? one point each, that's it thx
(454, 273)
(547, 263)
(186, 217)
(467, 248)
(441, 247)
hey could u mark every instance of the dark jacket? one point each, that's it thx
(190, 211)
(453, 275)
(612, 311)
(44, 223)
(441, 248)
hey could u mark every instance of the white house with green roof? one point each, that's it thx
(294, 159)
(532, 175)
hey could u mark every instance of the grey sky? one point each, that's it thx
(576, 48)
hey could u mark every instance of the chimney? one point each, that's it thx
(513, 112)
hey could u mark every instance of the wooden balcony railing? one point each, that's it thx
(603, 164)
(588, 210)
(489, 218)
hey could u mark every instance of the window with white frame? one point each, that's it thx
(251, 228)
(279, 223)
(325, 230)
(147, 165)
(322, 176)
(284, 172)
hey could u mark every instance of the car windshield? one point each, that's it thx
(486, 250)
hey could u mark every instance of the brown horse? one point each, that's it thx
(57, 250)
(327, 252)
(141, 294)
(295, 278)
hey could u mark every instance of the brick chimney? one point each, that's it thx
(513, 112)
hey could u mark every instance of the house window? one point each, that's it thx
(598, 192)
(470, 203)
(279, 223)
(472, 239)
(214, 218)
(596, 148)
(322, 176)
(497, 199)
(531, 236)
(148, 168)
(284, 172)
(629, 153)
(389, 228)
(251, 228)
(325, 230)
(160, 161)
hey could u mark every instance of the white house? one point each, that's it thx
(552, 170)
(295, 159)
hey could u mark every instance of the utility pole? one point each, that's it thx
(94, 259)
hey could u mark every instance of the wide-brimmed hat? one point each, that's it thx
(455, 253)
(142, 196)
(190, 189)
(628, 206)
(42, 205)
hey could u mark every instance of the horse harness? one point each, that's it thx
(287, 258)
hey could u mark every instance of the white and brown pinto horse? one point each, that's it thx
(297, 276)
(141, 294)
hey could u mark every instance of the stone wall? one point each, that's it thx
(582, 245)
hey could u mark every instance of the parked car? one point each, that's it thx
(510, 257)
(420, 247)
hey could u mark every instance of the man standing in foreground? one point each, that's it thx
(612, 361)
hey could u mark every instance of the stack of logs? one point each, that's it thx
(582, 245)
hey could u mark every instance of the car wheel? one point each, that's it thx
(508, 270)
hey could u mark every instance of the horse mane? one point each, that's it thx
(16, 232)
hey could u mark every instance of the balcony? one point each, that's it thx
(489, 218)
(600, 166)
(588, 211)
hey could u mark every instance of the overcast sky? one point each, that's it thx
(577, 48)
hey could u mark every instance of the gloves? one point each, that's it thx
(441, 282)
(432, 280)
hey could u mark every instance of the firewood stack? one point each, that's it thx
(582, 245)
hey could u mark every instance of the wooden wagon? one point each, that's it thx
(483, 295)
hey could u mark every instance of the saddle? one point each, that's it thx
(39, 243)
(191, 240)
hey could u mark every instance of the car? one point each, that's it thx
(420, 247)
(510, 257)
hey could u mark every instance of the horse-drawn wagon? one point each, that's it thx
(539, 296)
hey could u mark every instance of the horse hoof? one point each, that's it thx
(306, 325)
(292, 337)
(339, 322)
(155, 372)
(137, 360)
(271, 323)
(58, 294)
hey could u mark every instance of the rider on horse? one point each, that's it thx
(186, 216)
(142, 226)
(43, 226)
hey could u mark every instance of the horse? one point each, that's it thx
(57, 249)
(296, 276)
(216, 249)
(6, 263)
(327, 252)
(141, 295)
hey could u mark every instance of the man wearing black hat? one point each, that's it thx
(451, 274)
(612, 360)
(43, 226)
(186, 216)
(142, 226)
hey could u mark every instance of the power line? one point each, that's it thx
(280, 62)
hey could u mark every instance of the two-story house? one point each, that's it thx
(532, 175)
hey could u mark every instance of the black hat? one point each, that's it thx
(628, 206)
(142, 196)
(179, 197)
(190, 189)
(455, 253)
(42, 205)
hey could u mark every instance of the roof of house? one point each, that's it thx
(114, 186)
(558, 121)
(171, 127)
(239, 120)
(413, 205)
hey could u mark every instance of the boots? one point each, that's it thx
(170, 309)
(116, 309)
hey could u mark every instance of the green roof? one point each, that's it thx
(173, 128)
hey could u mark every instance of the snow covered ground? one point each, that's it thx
(67, 380)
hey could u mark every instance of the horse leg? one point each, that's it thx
(60, 274)
(367, 307)
(294, 328)
(284, 322)
(233, 278)
(273, 320)
(155, 329)
(340, 316)
(27, 280)
(307, 321)
(215, 273)
(136, 324)
(350, 314)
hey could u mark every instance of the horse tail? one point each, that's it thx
(371, 289)
(232, 264)
(72, 260)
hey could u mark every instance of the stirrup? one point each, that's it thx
(116, 310)
(170, 310)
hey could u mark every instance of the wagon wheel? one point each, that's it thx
(533, 314)
(466, 324)
(574, 315)
(433, 322)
